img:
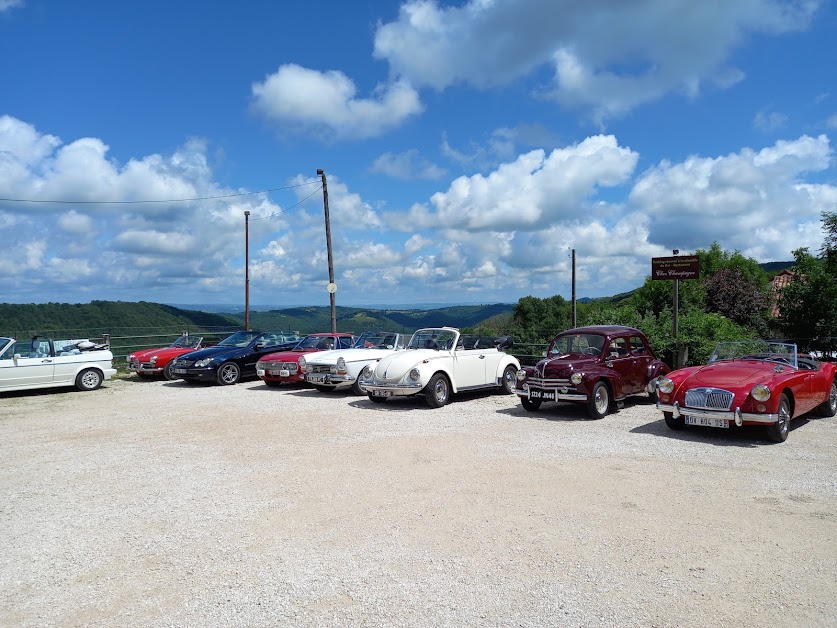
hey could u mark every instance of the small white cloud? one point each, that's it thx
(408, 165)
(769, 121)
(831, 122)
(7, 5)
(298, 98)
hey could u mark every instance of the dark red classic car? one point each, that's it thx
(749, 383)
(283, 367)
(159, 360)
(599, 366)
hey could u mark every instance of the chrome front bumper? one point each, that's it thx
(559, 396)
(735, 416)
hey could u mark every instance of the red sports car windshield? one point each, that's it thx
(780, 352)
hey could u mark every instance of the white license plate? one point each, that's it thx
(284, 373)
(316, 378)
(706, 421)
(179, 371)
(546, 395)
(381, 393)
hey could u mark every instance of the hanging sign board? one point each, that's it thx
(677, 267)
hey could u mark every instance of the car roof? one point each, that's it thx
(328, 333)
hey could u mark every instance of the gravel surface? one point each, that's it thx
(167, 504)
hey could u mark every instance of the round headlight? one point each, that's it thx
(366, 373)
(302, 363)
(341, 365)
(415, 375)
(665, 385)
(521, 375)
(575, 378)
(131, 358)
(760, 392)
(153, 359)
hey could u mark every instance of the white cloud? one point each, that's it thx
(408, 165)
(607, 56)
(769, 121)
(301, 99)
(7, 5)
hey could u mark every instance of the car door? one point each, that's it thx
(468, 363)
(618, 358)
(34, 367)
(642, 358)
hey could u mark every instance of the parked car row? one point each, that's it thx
(745, 383)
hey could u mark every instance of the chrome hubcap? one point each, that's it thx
(784, 417)
(601, 400)
(441, 390)
(832, 397)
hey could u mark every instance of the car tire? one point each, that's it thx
(167, 372)
(778, 432)
(509, 379)
(599, 404)
(376, 399)
(356, 389)
(530, 404)
(437, 391)
(676, 424)
(89, 379)
(828, 408)
(228, 374)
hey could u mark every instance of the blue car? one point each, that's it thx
(231, 359)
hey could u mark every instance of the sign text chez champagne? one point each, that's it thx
(678, 267)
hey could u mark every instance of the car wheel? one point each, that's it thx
(271, 384)
(530, 404)
(167, 372)
(599, 404)
(89, 379)
(829, 406)
(376, 399)
(356, 389)
(323, 389)
(437, 391)
(228, 373)
(778, 432)
(509, 379)
(676, 424)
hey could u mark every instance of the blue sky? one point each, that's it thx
(468, 146)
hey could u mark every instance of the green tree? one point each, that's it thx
(538, 320)
(807, 311)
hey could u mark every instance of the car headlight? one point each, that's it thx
(665, 385)
(576, 378)
(302, 362)
(760, 392)
(153, 359)
(341, 365)
(204, 362)
(131, 358)
(414, 375)
(521, 375)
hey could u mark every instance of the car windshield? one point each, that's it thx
(316, 342)
(239, 339)
(187, 342)
(376, 340)
(781, 352)
(579, 344)
(432, 339)
(7, 347)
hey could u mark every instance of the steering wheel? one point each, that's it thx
(592, 351)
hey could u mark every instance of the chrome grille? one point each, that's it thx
(545, 382)
(319, 368)
(709, 398)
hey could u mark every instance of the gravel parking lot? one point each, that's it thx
(166, 504)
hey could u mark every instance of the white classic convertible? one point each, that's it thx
(46, 363)
(329, 370)
(440, 361)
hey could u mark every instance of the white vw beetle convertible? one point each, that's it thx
(329, 370)
(438, 362)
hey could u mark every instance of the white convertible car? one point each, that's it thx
(46, 363)
(439, 362)
(329, 370)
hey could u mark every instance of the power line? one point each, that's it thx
(172, 200)
(288, 208)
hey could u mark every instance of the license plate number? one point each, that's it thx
(283, 373)
(546, 395)
(179, 371)
(707, 421)
(316, 378)
(381, 393)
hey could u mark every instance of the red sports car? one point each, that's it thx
(749, 383)
(283, 367)
(155, 361)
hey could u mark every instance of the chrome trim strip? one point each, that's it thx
(733, 415)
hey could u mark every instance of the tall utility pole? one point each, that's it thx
(246, 271)
(332, 287)
(676, 308)
(574, 311)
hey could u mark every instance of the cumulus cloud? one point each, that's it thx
(610, 57)
(300, 99)
(409, 165)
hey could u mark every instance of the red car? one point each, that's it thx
(283, 367)
(598, 366)
(155, 361)
(749, 383)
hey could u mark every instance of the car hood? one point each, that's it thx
(146, 354)
(557, 367)
(216, 352)
(398, 363)
(287, 356)
(729, 374)
(349, 355)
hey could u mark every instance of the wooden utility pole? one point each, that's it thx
(574, 310)
(246, 271)
(332, 287)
